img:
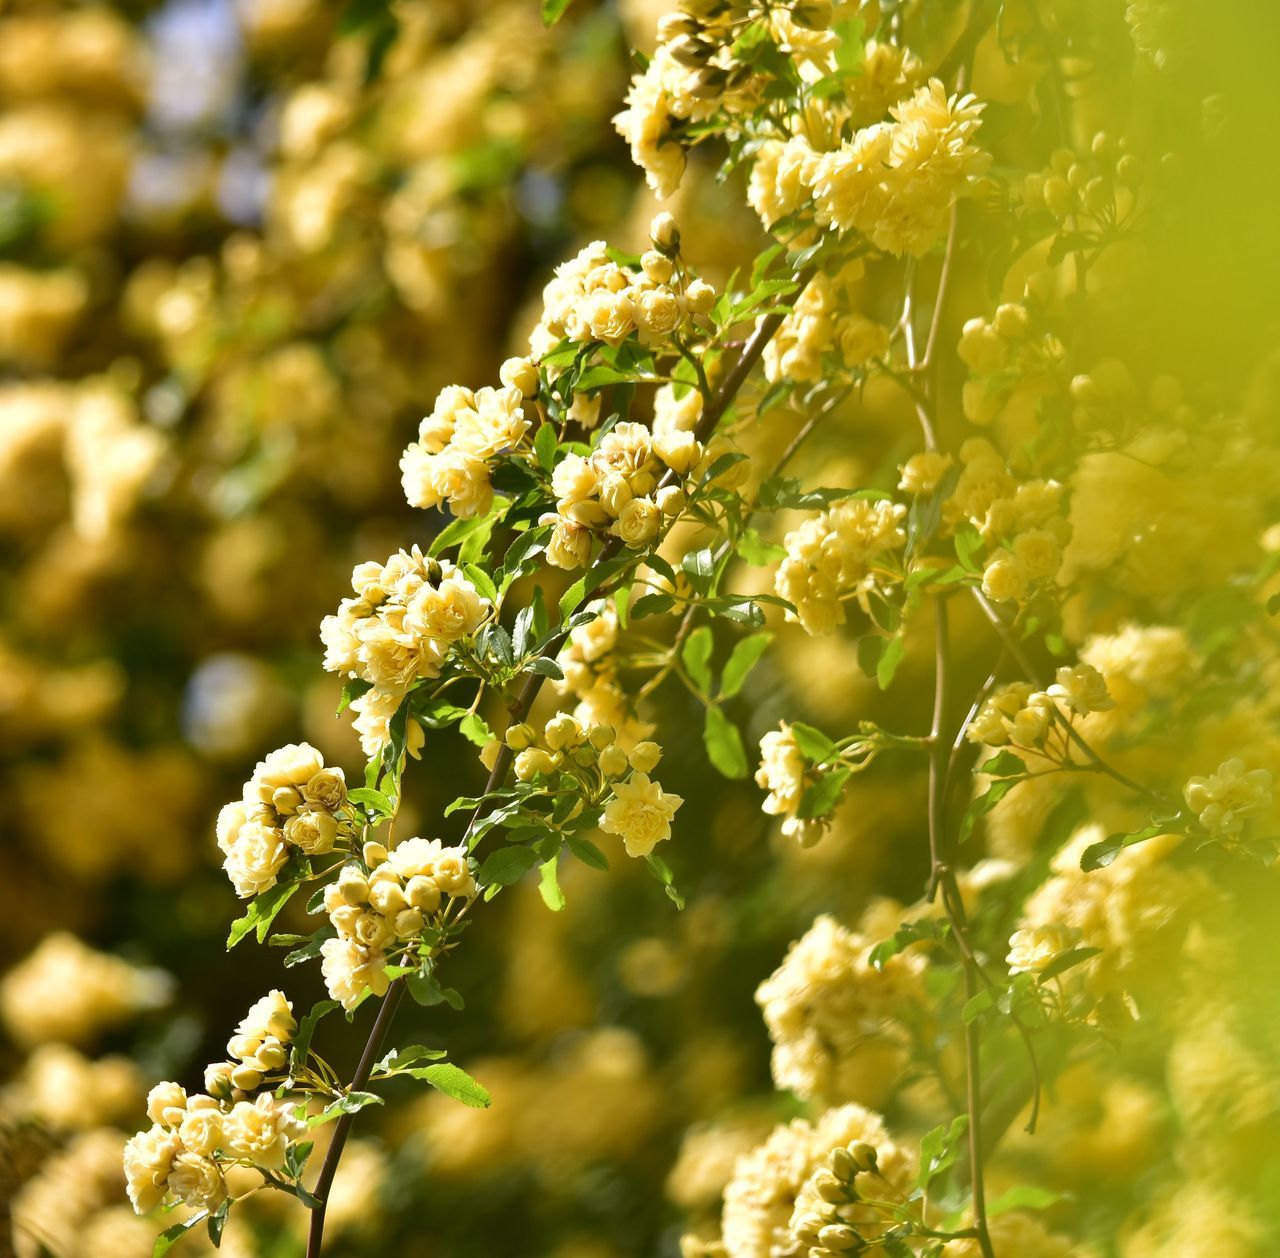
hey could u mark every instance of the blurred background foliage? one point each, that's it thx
(242, 245)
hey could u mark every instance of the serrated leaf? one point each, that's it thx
(544, 666)
(1100, 855)
(453, 533)
(813, 743)
(455, 1082)
(1065, 961)
(399, 1058)
(985, 803)
(700, 567)
(544, 446)
(724, 744)
(1024, 1197)
(353, 688)
(371, 798)
(587, 852)
(306, 1029)
(506, 865)
(481, 580)
(549, 886)
(474, 729)
(171, 1235)
(887, 664)
(695, 654)
(820, 798)
(651, 605)
(1003, 764)
(746, 654)
(348, 1103)
(754, 550)
(261, 913)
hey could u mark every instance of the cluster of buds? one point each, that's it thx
(830, 1216)
(1082, 188)
(636, 808)
(592, 298)
(1022, 716)
(1223, 800)
(293, 802)
(258, 1049)
(182, 1158)
(386, 901)
(1007, 356)
(617, 490)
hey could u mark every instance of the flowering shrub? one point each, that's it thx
(1063, 541)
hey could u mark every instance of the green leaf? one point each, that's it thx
(455, 1082)
(700, 567)
(587, 852)
(696, 656)
(1004, 764)
(868, 653)
(724, 744)
(373, 799)
(348, 1103)
(985, 803)
(1100, 855)
(887, 664)
(969, 548)
(572, 597)
(742, 659)
(506, 865)
(306, 1029)
(399, 1058)
(427, 991)
(453, 533)
(261, 913)
(977, 1005)
(820, 798)
(544, 446)
(473, 728)
(544, 666)
(549, 886)
(651, 605)
(351, 691)
(756, 551)
(171, 1235)
(1065, 961)
(552, 12)
(939, 1149)
(1024, 1197)
(481, 580)
(217, 1221)
(815, 745)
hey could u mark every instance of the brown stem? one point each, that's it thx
(520, 708)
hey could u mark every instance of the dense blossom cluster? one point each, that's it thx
(292, 803)
(406, 615)
(384, 902)
(847, 552)
(193, 1139)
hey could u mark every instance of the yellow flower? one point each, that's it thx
(640, 814)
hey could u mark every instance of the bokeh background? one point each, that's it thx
(242, 244)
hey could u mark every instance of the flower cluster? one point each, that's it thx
(593, 298)
(1023, 716)
(383, 902)
(184, 1155)
(835, 1019)
(635, 808)
(1092, 190)
(1227, 797)
(824, 336)
(449, 462)
(846, 552)
(786, 773)
(617, 490)
(292, 803)
(1022, 523)
(406, 615)
(1011, 365)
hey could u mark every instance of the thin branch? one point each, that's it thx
(519, 710)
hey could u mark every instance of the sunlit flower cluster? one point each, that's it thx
(293, 803)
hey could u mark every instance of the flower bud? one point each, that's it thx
(518, 737)
(285, 800)
(839, 1237)
(246, 1077)
(519, 373)
(408, 923)
(613, 762)
(829, 1188)
(602, 736)
(690, 52)
(532, 761)
(166, 1103)
(387, 897)
(864, 1155)
(353, 886)
(665, 234)
(807, 1228)
(217, 1078)
(657, 266)
(671, 500)
(699, 297)
(644, 756)
(271, 1054)
(374, 853)
(842, 1164)
(422, 893)
(562, 731)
